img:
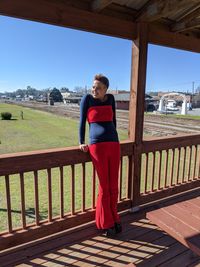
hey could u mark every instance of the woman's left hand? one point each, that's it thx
(84, 147)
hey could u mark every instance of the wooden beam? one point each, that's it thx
(60, 14)
(190, 13)
(190, 20)
(137, 102)
(184, 26)
(156, 9)
(138, 83)
(98, 5)
(159, 36)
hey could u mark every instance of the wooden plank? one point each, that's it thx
(163, 143)
(49, 158)
(49, 190)
(156, 9)
(167, 192)
(184, 164)
(166, 167)
(98, 5)
(178, 166)
(130, 170)
(183, 216)
(61, 193)
(36, 197)
(120, 179)
(48, 228)
(62, 14)
(23, 209)
(161, 36)
(159, 170)
(185, 26)
(137, 94)
(183, 259)
(146, 173)
(195, 162)
(72, 189)
(8, 202)
(183, 233)
(182, 23)
(83, 187)
(189, 14)
(153, 171)
(138, 82)
(192, 209)
(172, 168)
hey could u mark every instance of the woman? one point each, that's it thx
(99, 109)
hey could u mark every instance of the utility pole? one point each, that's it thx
(192, 88)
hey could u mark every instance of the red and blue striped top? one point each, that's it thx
(101, 117)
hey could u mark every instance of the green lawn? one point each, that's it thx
(38, 130)
(41, 130)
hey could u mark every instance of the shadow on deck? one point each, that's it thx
(141, 243)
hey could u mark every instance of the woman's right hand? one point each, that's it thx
(84, 147)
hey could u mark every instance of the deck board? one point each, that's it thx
(142, 243)
(179, 221)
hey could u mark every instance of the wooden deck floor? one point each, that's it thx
(141, 243)
(181, 220)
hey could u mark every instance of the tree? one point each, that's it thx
(56, 95)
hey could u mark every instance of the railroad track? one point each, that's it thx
(154, 126)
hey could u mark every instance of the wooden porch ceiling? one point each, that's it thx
(174, 23)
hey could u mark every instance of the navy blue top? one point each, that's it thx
(101, 117)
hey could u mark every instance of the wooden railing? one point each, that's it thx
(168, 166)
(47, 191)
(44, 192)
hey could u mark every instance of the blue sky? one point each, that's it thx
(42, 56)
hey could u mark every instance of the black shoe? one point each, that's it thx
(118, 228)
(110, 232)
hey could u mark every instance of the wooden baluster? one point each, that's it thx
(37, 217)
(83, 187)
(195, 162)
(8, 202)
(172, 168)
(61, 193)
(49, 187)
(166, 168)
(159, 169)
(73, 190)
(184, 165)
(93, 187)
(153, 172)
(23, 209)
(178, 166)
(129, 176)
(198, 176)
(189, 164)
(120, 179)
(146, 173)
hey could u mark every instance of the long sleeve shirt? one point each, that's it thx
(101, 117)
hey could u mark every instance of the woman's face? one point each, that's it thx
(98, 90)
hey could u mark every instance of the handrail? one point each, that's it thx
(49, 158)
(163, 143)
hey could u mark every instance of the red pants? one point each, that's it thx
(106, 157)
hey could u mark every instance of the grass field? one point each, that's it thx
(38, 130)
(41, 130)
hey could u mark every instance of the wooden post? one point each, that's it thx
(137, 104)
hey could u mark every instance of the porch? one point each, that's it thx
(151, 170)
(141, 243)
